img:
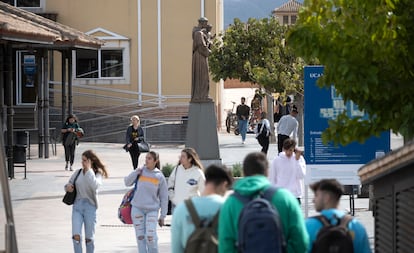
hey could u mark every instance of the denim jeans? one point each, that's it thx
(145, 224)
(242, 125)
(83, 212)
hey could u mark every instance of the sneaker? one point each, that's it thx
(71, 168)
(243, 142)
(66, 166)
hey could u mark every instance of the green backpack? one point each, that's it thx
(204, 238)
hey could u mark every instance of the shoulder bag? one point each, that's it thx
(70, 197)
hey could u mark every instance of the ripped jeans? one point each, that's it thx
(83, 212)
(145, 224)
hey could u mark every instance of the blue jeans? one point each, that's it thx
(242, 125)
(83, 212)
(145, 224)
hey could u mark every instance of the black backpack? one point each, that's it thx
(204, 239)
(260, 228)
(333, 238)
(262, 131)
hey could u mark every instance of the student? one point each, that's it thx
(89, 178)
(150, 196)
(288, 169)
(255, 168)
(70, 131)
(287, 127)
(134, 134)
(262, 131)
(327, 195)
(187, 179)
(243, 112)
(218, 180)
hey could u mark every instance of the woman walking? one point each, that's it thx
(187, 179)
(150, 196)
(134, 134)
(262, 131)
(70, 130)
(88, 179)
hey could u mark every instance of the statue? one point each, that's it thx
(200, 79)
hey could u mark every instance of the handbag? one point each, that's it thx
(124, 210)
(70, 197)
(143, 146)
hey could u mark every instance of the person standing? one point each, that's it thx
(134, 135)
(218, 180)
(287, 128)
(187, 179)
(89, 178)
(288, 169)
(243, 112)
(255, 169)
(262, 131)
(150, 196)
(70, 130)
(326, 200)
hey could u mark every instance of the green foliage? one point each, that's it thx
(367, 50)
(255, 52)
(167, 169)
(237, 170)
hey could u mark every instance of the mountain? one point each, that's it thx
(245, 9)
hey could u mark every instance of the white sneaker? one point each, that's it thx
(66, 166)
(71, 168)
(243, 142)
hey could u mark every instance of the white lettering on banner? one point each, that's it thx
(315, 75)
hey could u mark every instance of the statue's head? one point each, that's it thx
(202, 22)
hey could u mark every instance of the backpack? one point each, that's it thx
(204, 239)
(334, 238)
(260, 229)
(263, 132)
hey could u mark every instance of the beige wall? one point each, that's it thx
(177, 20)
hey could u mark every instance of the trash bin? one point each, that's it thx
(19, 153)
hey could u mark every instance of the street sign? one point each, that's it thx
(329, 161)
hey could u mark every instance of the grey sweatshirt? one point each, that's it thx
(151, 193)
(87, 185)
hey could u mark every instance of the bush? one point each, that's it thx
(167, 169)
(237, 170)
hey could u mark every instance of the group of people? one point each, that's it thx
(286, 126)
(206, 190)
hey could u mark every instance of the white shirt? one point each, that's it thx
(186, 183)
(287, 172)
(288, 125)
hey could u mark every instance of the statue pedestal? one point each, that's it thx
(202, 132)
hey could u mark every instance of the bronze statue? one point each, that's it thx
(200, 79)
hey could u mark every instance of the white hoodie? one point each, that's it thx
(287, 172)
(185, 183)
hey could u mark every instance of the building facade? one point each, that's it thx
(287, 13)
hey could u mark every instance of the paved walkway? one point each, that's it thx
(43, 222)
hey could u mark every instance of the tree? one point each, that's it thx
(367, 50)
(255, 52)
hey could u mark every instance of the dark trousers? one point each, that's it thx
(70, 152)
(264, 142)
(134, 157)
(280, 139)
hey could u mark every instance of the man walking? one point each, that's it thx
(287, 126)
(218, 180)
(243, 112)
(327, 195)
(288, 169)
(255, 169)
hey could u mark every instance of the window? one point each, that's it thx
(24, 3)
(285, 20)
(87, 63)
(293, 19)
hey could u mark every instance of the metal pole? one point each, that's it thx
(10, 111)
(70, 101)
(46, 101)
(63, 85)
(39, 63)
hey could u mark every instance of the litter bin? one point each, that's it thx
(19, 153)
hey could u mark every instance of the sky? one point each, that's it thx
(244, 9)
